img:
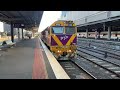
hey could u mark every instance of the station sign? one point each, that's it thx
(19, 26)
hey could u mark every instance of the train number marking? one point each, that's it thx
(63, 38)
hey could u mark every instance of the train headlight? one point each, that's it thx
(69, 51)
(58, 51)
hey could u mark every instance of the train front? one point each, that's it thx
(64, 40)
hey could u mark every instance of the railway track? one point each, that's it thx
(101, 51)
(100, 56)
(109, 66)
(100, 46)
(75, 71)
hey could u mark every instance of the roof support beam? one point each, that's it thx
(29, 19)
(10, 19)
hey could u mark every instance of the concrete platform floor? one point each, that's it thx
(21, 62)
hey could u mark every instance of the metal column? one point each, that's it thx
(104, 26)
(86, 33)
(12, 33)
(18, 34)
(33, 34)
(96, 34)
(22, 34)
(99, 31)
(109, 33)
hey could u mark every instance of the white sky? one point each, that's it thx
(48, 18)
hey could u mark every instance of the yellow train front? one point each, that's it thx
(61, 37)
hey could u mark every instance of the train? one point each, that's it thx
(103, 34)
(61, 39)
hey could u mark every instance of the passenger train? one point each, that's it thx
(103, 34)
(61, 38)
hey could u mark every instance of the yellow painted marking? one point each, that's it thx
(57, 40)
(71, 39)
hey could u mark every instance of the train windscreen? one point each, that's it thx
(70, 30)
(57, 30)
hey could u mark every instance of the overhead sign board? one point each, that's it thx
(19, 26)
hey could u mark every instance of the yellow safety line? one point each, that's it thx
(71, 39)
(57, 40)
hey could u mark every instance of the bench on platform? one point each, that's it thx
(8, 43)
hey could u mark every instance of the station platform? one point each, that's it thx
(30, 59)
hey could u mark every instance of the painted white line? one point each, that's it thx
(99, 62)
(57, 69)
(117, 71)
(113, 75)
(68, 64)
(95, 59)
(69, 68)
(106, 72)
(101, 68)
(113, 68)
(107, 65)
(95, 65)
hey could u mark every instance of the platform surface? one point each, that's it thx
(30, 59)
(21, 62)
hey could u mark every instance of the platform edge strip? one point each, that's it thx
(57, 69)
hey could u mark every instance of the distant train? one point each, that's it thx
(114, 34)
(61, 38)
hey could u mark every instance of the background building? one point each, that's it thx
(105, 23)
(5, 30)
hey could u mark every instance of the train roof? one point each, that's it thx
(59, 21)
(62, 22)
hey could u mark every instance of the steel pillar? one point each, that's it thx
(109, 33)
(22, 34)
(86, 33)
(18, 34)
(12, 33)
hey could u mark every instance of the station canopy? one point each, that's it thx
(25, 19)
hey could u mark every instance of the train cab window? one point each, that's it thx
(57, 30)
(70, 30)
